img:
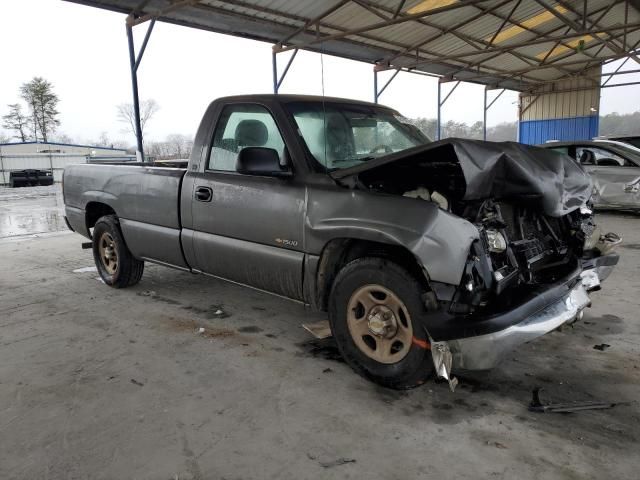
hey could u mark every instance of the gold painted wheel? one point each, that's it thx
(379, 324)
(108, 253)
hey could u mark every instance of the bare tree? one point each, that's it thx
(175, 146)
(126, 114)
(42, 102)
(63, 138)
(16, 121)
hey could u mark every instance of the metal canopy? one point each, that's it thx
(514, 44)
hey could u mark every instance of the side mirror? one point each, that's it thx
(261, 161)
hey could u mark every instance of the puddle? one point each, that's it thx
(30, 210)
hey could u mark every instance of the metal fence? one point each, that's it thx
(55, 162)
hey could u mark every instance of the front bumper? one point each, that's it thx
(483, 352)
(596, 270)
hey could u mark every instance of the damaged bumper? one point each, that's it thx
(481, 343)
(597, 270)
(483, 352)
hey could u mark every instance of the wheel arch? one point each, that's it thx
(96, 209)
(338, 252)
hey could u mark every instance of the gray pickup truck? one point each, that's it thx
(428, 256)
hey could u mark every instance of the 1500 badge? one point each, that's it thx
(286, 243)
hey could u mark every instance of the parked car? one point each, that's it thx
(428, 256)
(614, 166)
(633, 140)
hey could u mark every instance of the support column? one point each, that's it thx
(438, 112)
(277, 81)
(274, 70)
(375, 86)
(484, 116)
(487, 107)
(376, 92)
(136, 100)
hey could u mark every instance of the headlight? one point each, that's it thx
(496, 241)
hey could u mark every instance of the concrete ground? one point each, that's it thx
(104, 383)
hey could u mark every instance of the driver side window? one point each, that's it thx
(239, 126)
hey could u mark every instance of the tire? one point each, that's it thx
(371, 352)
(116, 265)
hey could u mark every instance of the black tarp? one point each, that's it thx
(500, 170)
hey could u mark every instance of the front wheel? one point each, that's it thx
(375, 311)
(116, 265)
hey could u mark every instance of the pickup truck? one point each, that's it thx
(428, 256)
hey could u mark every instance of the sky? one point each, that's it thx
(83, 52)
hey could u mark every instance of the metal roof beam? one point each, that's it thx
(506, 20)
(518, 55)
(580, 89)
(314, 21)
(567, 21)
(564, 64)
(507, 48)
(586, 16)
(519, 24)
(133, 20)
(443, 31)
(383, 24)
(279, 48)
(554, 63)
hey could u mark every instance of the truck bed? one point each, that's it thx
(145, 198)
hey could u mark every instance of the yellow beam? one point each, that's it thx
(530, 23)
(427, 5)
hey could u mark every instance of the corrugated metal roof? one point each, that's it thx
(516, 44)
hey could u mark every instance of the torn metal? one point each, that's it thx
(536, 405)
(443, 361)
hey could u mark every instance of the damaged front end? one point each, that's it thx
(537, 254)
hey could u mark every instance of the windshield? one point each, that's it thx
(341, 135)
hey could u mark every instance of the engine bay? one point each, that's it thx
(520, 247)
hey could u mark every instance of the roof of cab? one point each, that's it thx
(287, 98)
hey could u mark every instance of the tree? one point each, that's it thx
(176, 146)
(16, 121)
(126, 114)
(42, 102)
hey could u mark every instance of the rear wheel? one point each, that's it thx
(375, 312)
(116, 265)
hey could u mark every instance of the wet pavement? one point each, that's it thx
(185, 376)
(31, 210)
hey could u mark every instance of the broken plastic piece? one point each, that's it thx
(419, 192)
(608, 242)
(440, 200)
(201, 330)
(320, 330)
(537, 406)
(442, 360)
(590, 280)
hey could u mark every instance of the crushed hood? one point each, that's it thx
(505, 170)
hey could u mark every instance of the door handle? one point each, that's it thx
(203, 194)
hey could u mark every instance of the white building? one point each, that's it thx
(53, 156)
(30, 148)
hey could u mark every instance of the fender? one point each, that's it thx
(439, 240)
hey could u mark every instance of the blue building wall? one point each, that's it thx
(576, 128)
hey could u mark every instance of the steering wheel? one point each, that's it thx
(386, 148)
